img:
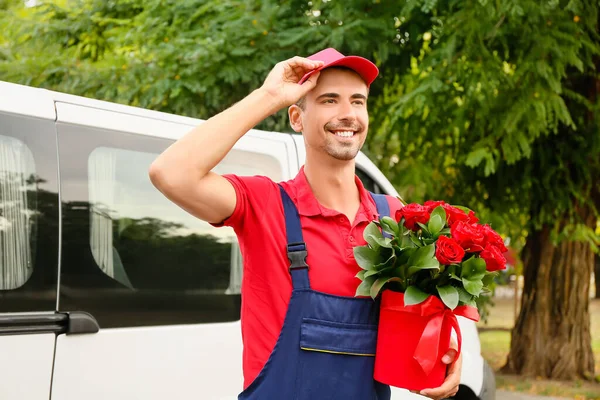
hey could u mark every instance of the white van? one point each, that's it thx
(107, 289)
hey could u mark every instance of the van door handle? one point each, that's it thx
(76, 322)
(80, 322)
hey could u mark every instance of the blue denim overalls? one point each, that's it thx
(326, 347)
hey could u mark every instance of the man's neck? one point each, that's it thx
(333, 184)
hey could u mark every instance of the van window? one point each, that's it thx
(368, 182)
(130, 256)
(29, 225)
(18, 213)
(135, 230)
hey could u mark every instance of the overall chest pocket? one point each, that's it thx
(336, 361)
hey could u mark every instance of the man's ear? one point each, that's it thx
(295, 115)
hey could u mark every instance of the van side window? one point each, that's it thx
(368, 182)
(137, 234)
(130, 256)
(18, 213)
(29, 208)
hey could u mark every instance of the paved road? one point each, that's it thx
(504, 395)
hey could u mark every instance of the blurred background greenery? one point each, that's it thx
(492, 104)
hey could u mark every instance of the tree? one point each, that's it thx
(502, 108)
(493, 105)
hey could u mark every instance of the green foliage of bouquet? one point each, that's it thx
(431, 249)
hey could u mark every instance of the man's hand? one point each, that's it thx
(282, 82)
(450, 386)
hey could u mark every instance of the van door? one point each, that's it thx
(163, 285)
(29, 232)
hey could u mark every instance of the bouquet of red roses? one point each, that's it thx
(429, 264)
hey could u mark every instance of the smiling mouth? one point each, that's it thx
(344, 134)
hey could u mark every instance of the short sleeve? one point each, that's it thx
(253, 197)
(395, 205)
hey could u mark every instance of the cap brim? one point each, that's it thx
(365, 68)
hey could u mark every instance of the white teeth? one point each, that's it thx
(345, 134)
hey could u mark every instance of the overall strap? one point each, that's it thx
(383, 207)
(296, 248)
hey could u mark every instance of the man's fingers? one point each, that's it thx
(448, 388)
(303, 63)
(450, 356)
(311, 82)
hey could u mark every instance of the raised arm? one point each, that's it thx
(183, 171)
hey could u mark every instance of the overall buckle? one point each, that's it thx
(297, 255)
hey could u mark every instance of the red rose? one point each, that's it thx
(494, 259)
(454, 214)
(430, 205)
(412, 214)
(447, 251)
(471, 218)
(491, 237)
(469, 236)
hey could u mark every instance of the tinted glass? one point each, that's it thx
(368, 182)
(130, 256)
(28, 214)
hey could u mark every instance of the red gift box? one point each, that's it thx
(412, 340)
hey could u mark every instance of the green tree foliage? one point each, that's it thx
(500, 105)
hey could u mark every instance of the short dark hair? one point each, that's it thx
(302, 102)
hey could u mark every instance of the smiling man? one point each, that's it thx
(305, 335)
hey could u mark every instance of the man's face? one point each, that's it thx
(335, 118)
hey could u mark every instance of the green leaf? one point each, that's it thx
(384, 242)
(473, 286)
(473, 268)
(390, 226)
(422, 255)
(451, 271)
(371, 272)
(475, 157)
(361, 274)
(379, 283)
(414, 295)
(472, 303)
(464, 209)
(409, 240)
(432, 263)
(449, 296)
(364, 289)
(405, 255)
(488, 279)
(371, 234)
(437, 221)
(445, 232)
(464, 296)
(415, 240)
(365, 257)
(390, 262)
(439, 210)
(424, 228)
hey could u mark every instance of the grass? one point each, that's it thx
(495, 345)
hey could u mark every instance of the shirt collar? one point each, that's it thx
(307, 203)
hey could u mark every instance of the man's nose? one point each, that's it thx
(346, 112)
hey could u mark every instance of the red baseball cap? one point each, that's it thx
(331, 57)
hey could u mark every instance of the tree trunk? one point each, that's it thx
(551, 338)
(597, 274)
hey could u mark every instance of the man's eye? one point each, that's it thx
(328, 101)
(359, 102)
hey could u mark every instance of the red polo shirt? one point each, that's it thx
(259, 223)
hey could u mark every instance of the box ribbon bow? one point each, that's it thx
(429, 350)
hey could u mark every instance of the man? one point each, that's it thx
(305, 335)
